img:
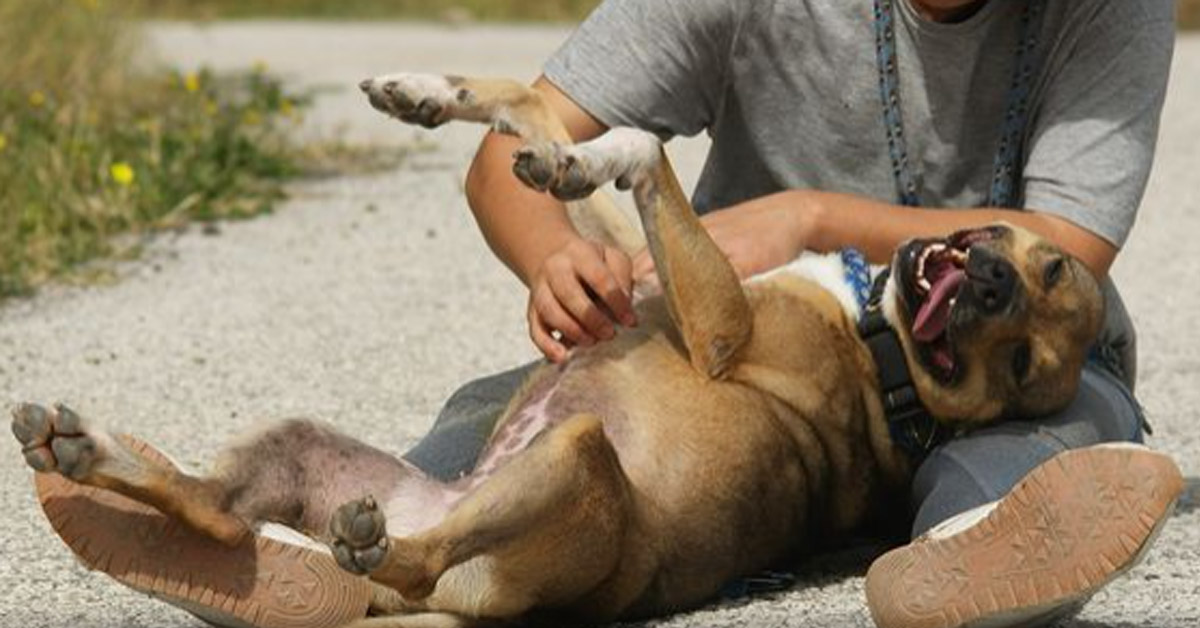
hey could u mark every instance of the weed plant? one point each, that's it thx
(93, 144)
(512, 10)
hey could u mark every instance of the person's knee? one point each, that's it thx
(1103, 411)
(942, 488)
(464, 424)
(976, 469)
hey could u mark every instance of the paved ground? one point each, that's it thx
(366, 300)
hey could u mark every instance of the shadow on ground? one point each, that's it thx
(1190, 500)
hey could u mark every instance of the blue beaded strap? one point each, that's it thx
(858, 276)
(1009, 154)
(1016, 113)
(889, 91)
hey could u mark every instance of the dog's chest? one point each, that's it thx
(824, 269)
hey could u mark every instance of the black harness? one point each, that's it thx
(911, 426)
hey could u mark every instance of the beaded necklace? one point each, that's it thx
(1007, 166)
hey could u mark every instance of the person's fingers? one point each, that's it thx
(621, 267)
(571, 296)
(601, 274)
(544, 340)
(556, 316)
(643, 265)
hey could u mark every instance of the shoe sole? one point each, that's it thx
(261, 583)
(1068, 528)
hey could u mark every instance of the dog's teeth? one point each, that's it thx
(924, 284)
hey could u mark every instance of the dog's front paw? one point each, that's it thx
(574, 171)
(556, 169)
(360, 536)
(424, 99)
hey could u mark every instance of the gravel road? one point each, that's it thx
(366, 300)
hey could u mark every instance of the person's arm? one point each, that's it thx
(770, 231)
(878, 228)
(1088, 159)
(650, 64)
(531, 234)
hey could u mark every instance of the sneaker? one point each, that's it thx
(1071, 526)
(275, 579)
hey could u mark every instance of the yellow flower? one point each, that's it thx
(191, 82)
(122, 173)
(287, 108)
(36, 99)
(211, 108)
(3, 142)
(251, 118)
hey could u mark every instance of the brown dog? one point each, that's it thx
(740, 424)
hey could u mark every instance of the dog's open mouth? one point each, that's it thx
(932, 274)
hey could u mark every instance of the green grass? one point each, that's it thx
(539, 10)
(91, 147)
(1189, 14)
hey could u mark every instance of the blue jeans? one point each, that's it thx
(963, 473)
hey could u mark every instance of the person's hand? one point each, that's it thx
(577, 296)
(756, 235)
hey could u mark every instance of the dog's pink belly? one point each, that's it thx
(545, 407)
(414, 506)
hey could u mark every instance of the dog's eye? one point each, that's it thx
(1053, 272)
(1020, 362)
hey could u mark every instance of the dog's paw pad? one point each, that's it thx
(422, 99)
(574, 181)
(536, 166)
(54, 440)
(31, 425)
(360, 537)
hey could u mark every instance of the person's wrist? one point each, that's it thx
(529, 265)
(807, 218)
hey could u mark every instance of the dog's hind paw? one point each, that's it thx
(360, 536)
(55, 440)
(423, 99)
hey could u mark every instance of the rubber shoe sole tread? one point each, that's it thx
(261, 583)
(1068, 528)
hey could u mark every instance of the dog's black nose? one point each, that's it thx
(365, 85)
(992, 280)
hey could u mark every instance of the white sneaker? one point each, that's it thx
(1071, 526)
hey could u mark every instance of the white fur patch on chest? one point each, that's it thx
(824, 269)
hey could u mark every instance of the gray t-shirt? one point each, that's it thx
(789, 92)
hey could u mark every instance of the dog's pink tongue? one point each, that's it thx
(935, 312)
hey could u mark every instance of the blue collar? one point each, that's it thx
(858, 276)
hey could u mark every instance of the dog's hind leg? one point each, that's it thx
(546, 529)
(57, 440)
(511, 108)
(294, 473)
(704, 295)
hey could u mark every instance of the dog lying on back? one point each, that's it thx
(739, 425)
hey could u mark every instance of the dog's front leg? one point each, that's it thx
(431, 100)
(509, 107)
(704, 294)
